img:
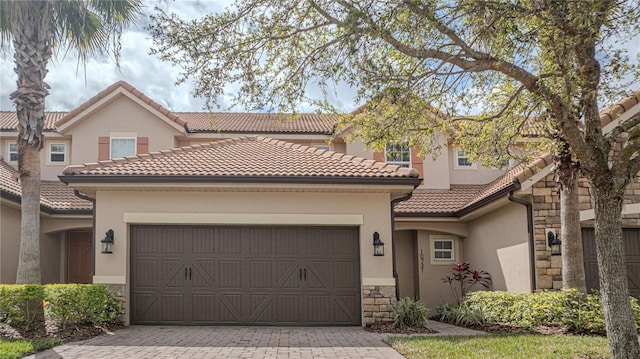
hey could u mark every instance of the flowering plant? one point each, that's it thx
(462, 279)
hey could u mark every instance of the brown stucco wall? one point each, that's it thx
(406, 252)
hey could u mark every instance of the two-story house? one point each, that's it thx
(249, 218)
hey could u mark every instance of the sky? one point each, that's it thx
(70, 87)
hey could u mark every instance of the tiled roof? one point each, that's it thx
(614, 111)
(9, 120)
(460, 198)
(54, 195)
(438, 200)
(258, 122)
(245, 157)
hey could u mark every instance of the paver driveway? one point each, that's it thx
(228, 342)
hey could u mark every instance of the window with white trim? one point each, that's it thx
(443, 249)
(461, 159)
(398, 154)
(58, 153)
(13, 152)
(123, 146)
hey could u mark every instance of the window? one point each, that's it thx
(461, 160)
(398, 154)
(443, 249)
(57, 153)
(13, 152)
(323, 147)
(123, 146)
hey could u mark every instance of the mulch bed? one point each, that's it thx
(389, 328)
(52, 329)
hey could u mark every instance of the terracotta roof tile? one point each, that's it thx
(245, 157)
(259, 122)
(54, 195)
(9, 120)
(614, 111)
(438, 200)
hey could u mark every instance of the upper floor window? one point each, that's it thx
(323, 147)
(13, 152)
(122, 147)
(58, 152)
(461, 160)
(398, 154)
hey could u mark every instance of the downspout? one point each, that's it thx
(393, 240)
(532, 250)
(93, 227)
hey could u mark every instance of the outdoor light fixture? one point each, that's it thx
(378, 245)
(554, 243)
(107, 242)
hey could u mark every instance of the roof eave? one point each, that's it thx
(46, 209)
(79, 178)
(487, 200)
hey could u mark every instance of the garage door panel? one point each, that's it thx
(288, 308)
(204, 308)
(288, 274)
(261, 274)
(202, 274)
(172, 274)
(319, 309)
(172, 308)
(228, 308)
(245, 275)
(146, 307)
(631, 240)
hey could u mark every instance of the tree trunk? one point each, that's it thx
(31, 31)
(573, 275)
(622, 334)
(29, 258)
(566, 175)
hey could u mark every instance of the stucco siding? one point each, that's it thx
(498, 244)
(122, 116)
(9, 243)
(405, 264)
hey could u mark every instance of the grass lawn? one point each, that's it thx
(529, 346)
(18, 348)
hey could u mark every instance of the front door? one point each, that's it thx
(79, 257)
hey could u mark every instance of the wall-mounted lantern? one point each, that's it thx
(107, 242)
(554, 243)
(378, 245)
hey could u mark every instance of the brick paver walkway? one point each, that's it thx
(228, 342)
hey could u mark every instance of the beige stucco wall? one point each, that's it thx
(498, 244)
(9, 242)
(406, 263)
(357, 148)
(433, 292)
(478, 175)
(121, 115)
(436, 170)
(372, 208)
(50, 248)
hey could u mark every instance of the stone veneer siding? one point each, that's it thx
(546, 214)
(377, 303)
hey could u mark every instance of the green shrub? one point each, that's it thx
(14, 303)
(83, 304)
(579, 312)
(410, 313)
(461, 314)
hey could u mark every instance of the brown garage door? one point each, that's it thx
(631, 238)
(187, 275)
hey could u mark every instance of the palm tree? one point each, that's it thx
(35, 28)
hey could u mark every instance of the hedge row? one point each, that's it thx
(579, 312)
(68, 303)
